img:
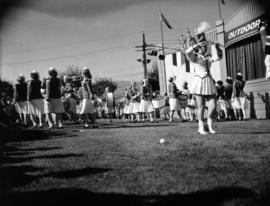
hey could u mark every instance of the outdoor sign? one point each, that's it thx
(243, 31)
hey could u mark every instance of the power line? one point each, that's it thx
(67, 57)
(73, 43)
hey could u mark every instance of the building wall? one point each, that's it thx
(257, 108)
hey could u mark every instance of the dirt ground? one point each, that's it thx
(125, 164)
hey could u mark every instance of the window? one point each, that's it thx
(174, 59)
(187, 64)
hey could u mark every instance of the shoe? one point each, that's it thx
(202, 132)
(51, 126)
(212, 131)
(86, 126)
(40, 126)
(34, 127)
(170, 120)
(60, 127)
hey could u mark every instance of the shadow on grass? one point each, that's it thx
(10, 159)
(31, 135)
(14, 176)
(119, 126)
(233, 132)
(73, 196)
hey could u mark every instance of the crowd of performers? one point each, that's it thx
(47, 100)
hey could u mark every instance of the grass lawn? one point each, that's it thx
(125, 164)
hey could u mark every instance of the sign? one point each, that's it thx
(243, 31)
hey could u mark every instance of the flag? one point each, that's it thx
(162, 17)
(223, 2)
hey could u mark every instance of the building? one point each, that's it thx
(243, 52)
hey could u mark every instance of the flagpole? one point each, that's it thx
(219, 9)
(163, 52)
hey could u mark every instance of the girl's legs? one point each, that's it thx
(200, 113)
(50, 120)
(40, 121)
(244, 113)
(58, 118)
(33, 119)
(210, 115)
(151, 115)
(85, 120)
(171, 115)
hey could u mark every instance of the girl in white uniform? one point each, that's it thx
(35, 99)
(203, 86)
(87, 109)
(146, 106)
(134, 104)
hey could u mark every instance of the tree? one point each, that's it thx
(100, 84)
(72, 70)
(7, 88)
(154, 77)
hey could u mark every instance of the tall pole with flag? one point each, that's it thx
(163, 19)
(219, 7)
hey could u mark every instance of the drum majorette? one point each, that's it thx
(203, 86)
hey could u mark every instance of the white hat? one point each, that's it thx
(239, 74)
(86, 68)
(229, 78)
(34, 72)
(52, 69)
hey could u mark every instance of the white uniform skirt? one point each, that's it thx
(72, 105)
(87, 107)
(134, 107)
(108, 109)
(36, 106)
(126, 109)
(222, 105)
(239, 103)
(146, 106)
(174, 104)
(165, 110)
(54, 106)
(203, 86)
(22, 107)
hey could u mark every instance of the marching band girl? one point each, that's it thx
(146, 106)
(87, 107)
(126, 110)
(203, 86)
(53, 103)
(109, 103)
(173, 99)
(35, 98)
(239, 96)
(134, 102)
(20, 99)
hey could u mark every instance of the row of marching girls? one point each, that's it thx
(138, 102)
(30, 101)
(231, 98)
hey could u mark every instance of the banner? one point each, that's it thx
(243, 31)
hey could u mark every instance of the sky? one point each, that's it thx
(99, 34)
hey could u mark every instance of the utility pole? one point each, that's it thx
(144, 60)
(144, 57)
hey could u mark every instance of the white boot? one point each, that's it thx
(210, 126)
(201, 128)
